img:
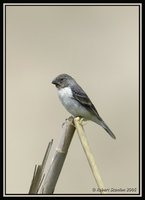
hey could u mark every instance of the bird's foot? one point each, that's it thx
(82, 121)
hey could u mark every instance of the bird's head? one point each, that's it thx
(63, 80)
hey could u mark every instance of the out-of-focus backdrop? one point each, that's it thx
(98, 46)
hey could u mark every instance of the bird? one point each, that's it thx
(77, 102)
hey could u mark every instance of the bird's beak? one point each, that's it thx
(55, 83)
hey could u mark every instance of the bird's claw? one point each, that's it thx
(82, 121)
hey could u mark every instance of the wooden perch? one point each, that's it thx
(89, 155)
(46, 184)
(59, 157)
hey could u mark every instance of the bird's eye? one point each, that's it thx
(61, 79)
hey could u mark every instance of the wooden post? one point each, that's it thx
(46, 184)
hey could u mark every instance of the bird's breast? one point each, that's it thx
(65, 95)
(66, 98)
(65, 92)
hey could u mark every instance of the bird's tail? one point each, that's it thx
(104, 125)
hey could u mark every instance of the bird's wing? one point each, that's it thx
(83, 99)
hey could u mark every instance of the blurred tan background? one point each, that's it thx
(98, 46)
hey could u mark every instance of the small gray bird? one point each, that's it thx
(76, 101)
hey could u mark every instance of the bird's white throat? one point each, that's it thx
(66, 98)
(65, 93)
